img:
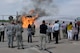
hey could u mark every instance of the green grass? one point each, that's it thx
(4, 20)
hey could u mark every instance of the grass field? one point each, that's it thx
(4, 20)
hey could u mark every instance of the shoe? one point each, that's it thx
(12, 47)
(8, 46)
(45, 49)
(56, 43)
(31, 42)
(22, 48)
(76, 40)
(18, 48)
(41, 48)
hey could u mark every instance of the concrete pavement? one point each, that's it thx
(64, 46)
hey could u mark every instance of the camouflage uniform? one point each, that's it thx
(19, 31)
(10, 30)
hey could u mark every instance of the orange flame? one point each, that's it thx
(26, 20)
(29, 20)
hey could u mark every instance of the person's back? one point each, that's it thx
(64, 25)
(56, 27)
(33, 27)
(19, 37)
(69, 27)
(2, 28)
(75, 30)
(43, 29)
(69, 30)
(29, 29)
(10, 29)
(49, 28)
(19, 29)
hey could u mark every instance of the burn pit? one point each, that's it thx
(26, 20)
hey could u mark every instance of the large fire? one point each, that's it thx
(26, 20)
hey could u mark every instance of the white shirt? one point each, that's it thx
(55, 27)
(2, 28)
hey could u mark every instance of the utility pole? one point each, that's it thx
(17, 16)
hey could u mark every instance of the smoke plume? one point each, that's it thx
(42, 7)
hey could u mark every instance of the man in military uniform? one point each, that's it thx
(10, 30)
(19, 31)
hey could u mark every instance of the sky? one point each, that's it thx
(65, 7)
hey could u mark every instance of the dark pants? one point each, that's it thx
(49, 36)
(2, 36)
(29, 38)
(78, 29)
(56, 36)
(75, 37)
(53, 35)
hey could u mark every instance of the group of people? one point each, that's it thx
(45, 32)
(69, 31)
(12, 30)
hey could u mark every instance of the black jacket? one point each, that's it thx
(43, 28)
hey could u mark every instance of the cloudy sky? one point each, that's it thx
(65, 7)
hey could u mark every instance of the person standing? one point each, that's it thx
(56, 27)
(9, 31)
(53, 33)
(75, 23)
(33, 29)
(19, 37)
(29, 29)
(75, 32)
(49, 30)
(43, 29)
(14, 32)
(2, 30)
(69, 30)
(63, 26)
(59, 35)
